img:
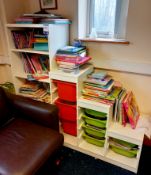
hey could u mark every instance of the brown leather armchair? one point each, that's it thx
(28, 134)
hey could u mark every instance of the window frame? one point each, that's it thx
(119, 33)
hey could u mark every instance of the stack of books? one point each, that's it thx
(40, 42)
(35, 91)
(70, 58)
(55, 21)
(26, 20)
(99, 86)
(41, 19)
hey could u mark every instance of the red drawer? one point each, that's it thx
(69, 127)
(67, 111)
(66, 90)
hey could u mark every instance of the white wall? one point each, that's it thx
(11, 10)
(138, 33)
(5, 74)
(66, 8)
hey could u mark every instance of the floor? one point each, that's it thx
(71, 162)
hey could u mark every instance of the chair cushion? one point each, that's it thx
(25, 146)
(5, 113)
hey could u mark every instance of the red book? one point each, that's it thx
(76, 60)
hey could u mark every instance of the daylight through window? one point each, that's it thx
(108, 18)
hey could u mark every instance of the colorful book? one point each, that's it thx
(107, 87)
(72, 61)
(71, 49)
(120, 106)
(99, 74)
(132, 109)
(101, 81)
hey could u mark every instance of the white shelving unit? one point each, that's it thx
(58, 36)
(114, 130)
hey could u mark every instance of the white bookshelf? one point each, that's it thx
(72, 77)
(30, 51)
(24, 76)
(58, 36)
(113, 129)
(126, 133)
(130, 164)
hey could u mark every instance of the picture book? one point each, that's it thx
(76, 61)
(132, 109)
(120, 106)
(109, 85)
(71, 49)
(101, 81)
(100, 74)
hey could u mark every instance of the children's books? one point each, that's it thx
(100, 74)
(131, 109)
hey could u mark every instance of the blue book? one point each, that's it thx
(71, 49)
(99, 75)
(41, 46)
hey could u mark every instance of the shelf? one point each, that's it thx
(25, 25)
(93, 105)
(24, 76)
(30, 50)
(69, 140)
(122, 161)
(126, 133)
(24, 95)
(91, 149)
(73, 76)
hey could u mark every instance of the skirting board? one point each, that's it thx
(126, 66)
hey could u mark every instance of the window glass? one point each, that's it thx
(108, 17)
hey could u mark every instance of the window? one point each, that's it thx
(107, 17)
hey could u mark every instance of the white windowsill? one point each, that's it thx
(104, 40)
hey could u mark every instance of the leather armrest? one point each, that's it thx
(147, 141)
(42, 113)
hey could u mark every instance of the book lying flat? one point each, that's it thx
(100, 74)
(99, 100)
(72, 61)
(101, 81)
(108, 86)
(96, 89)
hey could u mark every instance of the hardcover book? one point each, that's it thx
(131, 109)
